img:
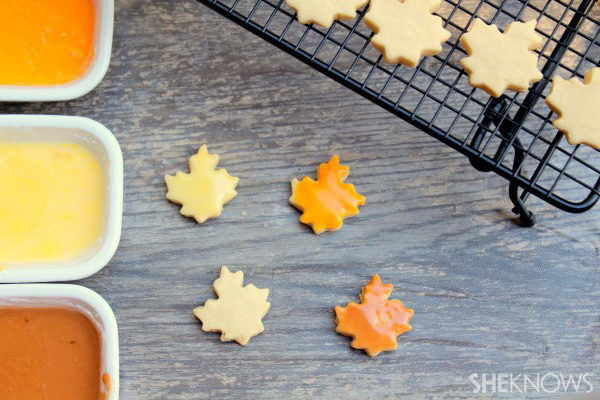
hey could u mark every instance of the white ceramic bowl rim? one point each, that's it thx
(92, 77)
(112, 236)
(62, 295)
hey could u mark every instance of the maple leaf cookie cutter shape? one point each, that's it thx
(328, 200)
(376, 322)
(496, 61)
(203, 192)
(406, 31)
(324, 12)
(238, 311)
(577, 106)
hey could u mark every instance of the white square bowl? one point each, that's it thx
(103, 37)
(101, 142)
(81, 299)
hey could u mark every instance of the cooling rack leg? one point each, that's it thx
(493, 114)
(527, 217)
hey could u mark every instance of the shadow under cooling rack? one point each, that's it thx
(512, 136)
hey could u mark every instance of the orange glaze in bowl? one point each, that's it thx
(50, 354)
(45, 42)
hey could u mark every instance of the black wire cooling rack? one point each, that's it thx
(512, 136)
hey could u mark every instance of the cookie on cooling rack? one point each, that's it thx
(324, 12)
(496, 61)
(577, 105)
(406, 31)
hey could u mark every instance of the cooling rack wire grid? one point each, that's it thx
(512, 136)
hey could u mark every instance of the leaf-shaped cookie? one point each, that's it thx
(203, 192)
(238, 311)
(578, 108)
(324, 12)
(328, 200)
(498, 61)
(376, 322)
(406, 31)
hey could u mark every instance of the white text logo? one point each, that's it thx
(531, 383)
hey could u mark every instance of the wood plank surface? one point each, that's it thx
(489, 296)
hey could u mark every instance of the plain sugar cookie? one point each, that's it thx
(498, 61)
(406, 31)
(578, 108)
(324, 12)
(203, 192)
(238, 311)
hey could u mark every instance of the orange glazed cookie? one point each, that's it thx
(328, 200)
(324, 12)
(406, 31)
(376, 322)
(578, 108)
(498, 61)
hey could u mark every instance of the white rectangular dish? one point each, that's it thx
(101, 142)
(103, 37)
(81, 299)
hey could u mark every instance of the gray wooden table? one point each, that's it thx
(489, 296)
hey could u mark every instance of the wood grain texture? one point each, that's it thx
(488, 295)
